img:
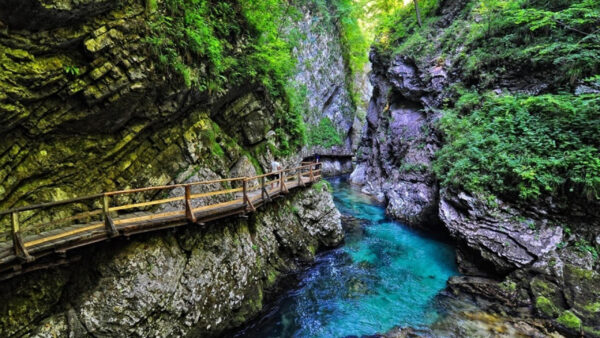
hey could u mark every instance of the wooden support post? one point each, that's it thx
(300, 180)
(264, 192)
(282, 182)
(247, 202)
(19, 247)
(189, 213)
(109, 224)
(312, 176)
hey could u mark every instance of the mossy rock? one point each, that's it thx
(569, 320)
(545, 307)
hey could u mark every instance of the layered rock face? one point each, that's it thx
(535, 250)
(194, 281)
(84, 108)
(322, 75)
(397, 147)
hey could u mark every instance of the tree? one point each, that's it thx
(418, 12)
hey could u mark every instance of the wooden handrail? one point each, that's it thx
(253, 193)
(50, 204)
(106, 210)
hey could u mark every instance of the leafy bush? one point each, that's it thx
(212, 43)
(325, 134)
(524, 147)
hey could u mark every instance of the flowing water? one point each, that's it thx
(385, 275)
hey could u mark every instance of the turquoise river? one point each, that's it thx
(385, 275)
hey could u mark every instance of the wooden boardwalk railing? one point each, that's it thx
(36, 246)
(326, 153)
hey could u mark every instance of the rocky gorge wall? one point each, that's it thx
(193, 281)
(516, 256)
(322, 73)
(86, 107)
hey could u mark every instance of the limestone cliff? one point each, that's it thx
(87, 105)
(545, 251)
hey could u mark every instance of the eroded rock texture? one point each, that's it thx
(397, 147)
(537, 251)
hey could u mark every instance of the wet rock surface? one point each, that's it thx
(397, 148)
(195, 281)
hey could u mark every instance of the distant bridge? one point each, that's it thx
(326, 153)
(186, 204)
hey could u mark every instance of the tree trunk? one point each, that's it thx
(418, 12)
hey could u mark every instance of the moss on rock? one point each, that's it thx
(546, 307)
(569, 320)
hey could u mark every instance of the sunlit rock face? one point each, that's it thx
(322, 75)
(196, 281)
(397, 148)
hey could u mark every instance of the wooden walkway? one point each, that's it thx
(326, 153)
(36, 246)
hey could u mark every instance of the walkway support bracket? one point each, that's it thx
(189, 213)
(284, 189)
(300, 180)
(264, 193)
(109, 224)
(20, 249)
(247, 202)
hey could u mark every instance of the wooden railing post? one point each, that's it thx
(247, 202)
(264, 193)
(282, 182)
(300, 180)
(20, 249)
(189, 213)
(312, 176)
(108, 221)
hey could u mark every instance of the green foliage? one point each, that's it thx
(325, 134)
(292, 132)
(533, 35)
(569, 320)
(213, 44)
(71, 70)
(353, 41)
(546, 307)
(323, 184)
(398, 20)
(413, 167)
(584, 246)
(523, 147)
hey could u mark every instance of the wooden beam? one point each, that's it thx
(108, 221)
(214, 193)
(20, 249)
(64, 234)
(150, 217)
(247, 202)
(189, 214)
(264, 193)
(146, 204)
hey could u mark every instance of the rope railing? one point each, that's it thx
(247, 191)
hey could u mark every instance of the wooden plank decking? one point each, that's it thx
(25, 252)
